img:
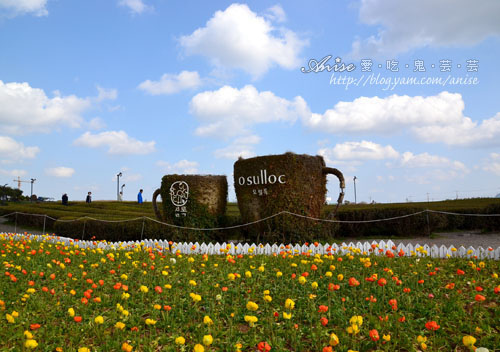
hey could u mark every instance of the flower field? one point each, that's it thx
(55, 297)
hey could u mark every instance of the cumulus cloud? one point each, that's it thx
(493, 164)
(240, 147)
(426, 160)
(229, 111)
(117, 143)
(24, 109)
(60, 171)
(135, 6)
(433, 119)
(363, 150)
(13, 173)
(239, 38)
(276, 14)
(21, 7)
(404, 25)
(180, 167)
(12, 151)
(106, 94)
(96, 124)
(170, 83)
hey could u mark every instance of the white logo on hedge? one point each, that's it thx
(262, 179)
(179, 193)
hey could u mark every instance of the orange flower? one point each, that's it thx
(374, 335)
(322, 309)
(432, 325)
(353, 282)
(382, 282)
(324, 321)
(460, 272)
(77, 319)
(264, 347)
(35, 326)
(327, 349)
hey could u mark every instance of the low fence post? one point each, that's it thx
(142, 231)
(44, 219)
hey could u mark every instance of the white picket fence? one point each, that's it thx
(267, 249)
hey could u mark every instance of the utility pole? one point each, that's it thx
(118, 186)
(355, 198)
(32, 181)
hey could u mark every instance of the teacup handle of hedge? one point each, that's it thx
(340, 176)
(155, 207)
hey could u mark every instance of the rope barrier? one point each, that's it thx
(254, 222)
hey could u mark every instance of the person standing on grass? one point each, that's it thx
(89, 198)
(64, 199)
(139, 197)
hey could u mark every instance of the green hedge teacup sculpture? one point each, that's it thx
(267, 185)
(191, 200)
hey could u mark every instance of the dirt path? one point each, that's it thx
(457, 239)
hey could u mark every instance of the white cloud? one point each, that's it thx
(240, 147)
(117, 142)
(96, 124)
(11, 150)
(106, 94)
(239, 38)
(404, 25)
(363, 150)
(135, 6)
(493, 165)
(21, 7)
(276, 14)
(426, 160)
(434, 119)
(60, 171)
(170, 84)
(13, 173)
(230, 111)
(495, 156)
(24, 109)
(180, 167)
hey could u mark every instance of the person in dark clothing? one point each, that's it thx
(64, 199)
(89, 198)
(139, 197)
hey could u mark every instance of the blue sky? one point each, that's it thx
(152, 87)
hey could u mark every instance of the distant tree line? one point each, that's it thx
(10, 194)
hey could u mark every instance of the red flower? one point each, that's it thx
(479, 288)
(432, 325)
(353, 282)
(77, 319)
(479, 298)
(324, 321)
(374, 335)
(35, 326)
(264, 347)
(460, 272)
(382, 282)
(322, 309)
(327, 349)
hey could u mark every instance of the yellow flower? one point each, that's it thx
(192, 282)
(423, 346)
(195, 297)
(150, 322)
(30, 343)
(144, 289)
(125, 296)
(157, 307)
(279, 274)
(252, 306)
(207, 340)
(231, 277)
(469, 341)
(386, 337)
(126, 347)
(125, 312)
(83, 349)
(328, 274)
(340, 277)
(71, 312)
(10, 318)
(167, 286)
(120, 325)
(334, 340)
(124, 277)
(99, 320)
(289, 304)
(287, 315)
(248, 274)
(314, 285)
(353, 329)
(421, 339)
(261, 268)
(15, 314)
(199, 348)
(356, 319)
(302, 280)
(180, 340)
(28, 334)
(268, 298)
(251, 320)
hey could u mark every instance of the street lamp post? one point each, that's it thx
(118, 186)
(32, 181)
(355, 198)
